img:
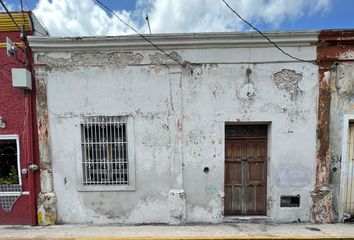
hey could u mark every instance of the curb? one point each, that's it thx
(185, 238)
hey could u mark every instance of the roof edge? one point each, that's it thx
(174, 41)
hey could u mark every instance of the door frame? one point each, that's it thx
(14, 137)
(268, 156)
(347, 119)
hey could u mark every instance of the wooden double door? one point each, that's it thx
(245, 175)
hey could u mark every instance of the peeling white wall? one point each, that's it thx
(179, 121)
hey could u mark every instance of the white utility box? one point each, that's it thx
(21, 78)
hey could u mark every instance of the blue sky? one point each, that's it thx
(85, 17)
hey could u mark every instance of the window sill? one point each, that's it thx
(115, 188)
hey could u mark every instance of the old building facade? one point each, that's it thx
(223, 128)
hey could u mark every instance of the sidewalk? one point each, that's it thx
(218, 231)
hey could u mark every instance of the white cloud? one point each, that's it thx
(9, 7)
(79, 18)
(84, 17)
(321, 5)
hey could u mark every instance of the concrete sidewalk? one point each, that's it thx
(217, 231)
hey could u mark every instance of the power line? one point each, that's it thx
(268, 39)
(22, 33)
(23, 16)
(8, 12)
(183, 64)
(148, 22)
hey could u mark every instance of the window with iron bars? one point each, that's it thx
(104, 151)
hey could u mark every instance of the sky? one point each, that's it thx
(87, 18)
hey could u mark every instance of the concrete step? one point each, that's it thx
(246, 219)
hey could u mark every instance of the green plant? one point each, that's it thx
(12, 178)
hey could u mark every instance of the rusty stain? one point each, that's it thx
(333, 46)
(321, 197)
(323, 118)
(46, 202)
(157, 69)
(46, 133)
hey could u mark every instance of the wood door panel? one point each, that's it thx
(245, 176)
(255, 199)
(256, 172)
(251, 194)
(233, 150)
(228, 199)
(233, 173)
(261, 199)
(256, 149)
(237, 200)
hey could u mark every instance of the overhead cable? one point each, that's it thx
(23, 37)
(8, 12)
(182, 63)
(267, 38)
(23, 16)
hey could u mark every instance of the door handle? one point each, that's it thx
(33, 167)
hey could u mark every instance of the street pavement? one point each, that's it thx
(202, 231)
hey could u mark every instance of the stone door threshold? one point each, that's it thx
(246, 219)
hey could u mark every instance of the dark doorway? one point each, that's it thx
(245, 169)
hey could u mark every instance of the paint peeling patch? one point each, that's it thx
(247, 91)
(177, 206)
(93, 59)
(270, 203)
(288, 80)
(217, 90)
(348, 55)
(160, 58)
(344, 81)
(327, 76)
(321, 211)
(195, 137)
(47, 213)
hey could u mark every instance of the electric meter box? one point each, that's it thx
(21, 78)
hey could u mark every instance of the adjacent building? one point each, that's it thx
(335, 168)
(19, 180)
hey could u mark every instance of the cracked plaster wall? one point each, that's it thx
(179, 121)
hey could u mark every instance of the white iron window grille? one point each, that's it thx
(104, 151)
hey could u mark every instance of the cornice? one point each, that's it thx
(173, 41)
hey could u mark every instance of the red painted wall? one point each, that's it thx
(18, 113)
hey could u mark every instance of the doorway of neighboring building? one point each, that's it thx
(15, 190)
(245, 169)
(348, 182)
